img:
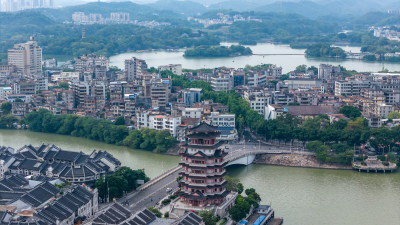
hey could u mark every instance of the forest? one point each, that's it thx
(325, 51)
(98, 130)
(217, 51)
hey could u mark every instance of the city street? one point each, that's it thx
(151, 195)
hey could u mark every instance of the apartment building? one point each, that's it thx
(258, 100)
(222, 82)
(134, 69)
(27, 58)
(351, 88)
(89, 62)
(159, 91)
(147, 119)
(174, 68)
(191, 96)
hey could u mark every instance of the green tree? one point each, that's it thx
(233, 184)
(6, 107)
(350, 111)
(301, 69)
(7, 121)
(155, 211)
(64, 85)
(391, 115)
(120, 121)
(208, 217)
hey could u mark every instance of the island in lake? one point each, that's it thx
(218, 51)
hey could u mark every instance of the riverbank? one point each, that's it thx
(293, 160)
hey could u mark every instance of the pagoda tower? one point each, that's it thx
(203, 165)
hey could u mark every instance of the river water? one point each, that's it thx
(301, 196)
(288, 62)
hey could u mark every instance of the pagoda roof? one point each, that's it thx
(198, 195)
(223, 164)
(203, 135)
(204, 146)
(208, 186)
(201, 155)
(204, 127)
(187, 174)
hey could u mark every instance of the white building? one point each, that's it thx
(256, 79)
(225, 124)
(4, 92)
(165, 122)
(135, 68)
(27, 58)
(158, 122)
(258, 100)
(273, 111)
(350, 88)
(222, 120)
(66, 76)
(192, 113)
(174, 68)
(383, 110)
(294, 84)
(222, 82)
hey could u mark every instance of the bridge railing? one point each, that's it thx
(158, 178)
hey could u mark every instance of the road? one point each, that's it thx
(142, 199)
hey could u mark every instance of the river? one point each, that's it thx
(301, 196)
(288, 62)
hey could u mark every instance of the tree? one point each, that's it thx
(233, 184)
(120, 121)
(155, 211)
(7, 121)
(350, 111)
(249, 191)
(301, 69)
(208, 217)
(391, 115)
(64, 85)
(121, 181)
(6, 107)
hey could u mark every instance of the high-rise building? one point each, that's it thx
(135, 69)
(203, 183)
(17, 5)
(27, 58)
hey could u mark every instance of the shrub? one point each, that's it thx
(166, 201)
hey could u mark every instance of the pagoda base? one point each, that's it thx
(180, 208)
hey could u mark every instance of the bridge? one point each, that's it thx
(155, 190)
(246, 157)
(266, 54)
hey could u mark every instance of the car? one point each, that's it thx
(168, 190)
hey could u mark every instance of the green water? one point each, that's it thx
(301, 196)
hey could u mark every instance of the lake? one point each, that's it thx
(288, 62)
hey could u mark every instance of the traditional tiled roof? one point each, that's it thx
(115, 214)
(310, 110)
(191, 219)
(39, 195)
(204, 127)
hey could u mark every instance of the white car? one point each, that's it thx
(168, 190)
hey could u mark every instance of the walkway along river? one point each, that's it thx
(302, 196)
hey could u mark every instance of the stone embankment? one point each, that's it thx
(294, 160)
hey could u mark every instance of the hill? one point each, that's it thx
(187, 8)
(136, 11)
